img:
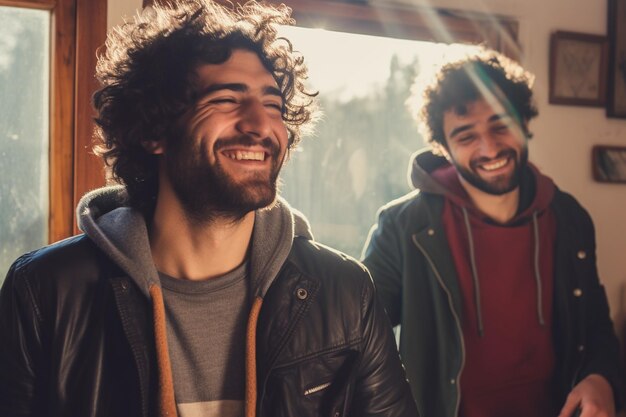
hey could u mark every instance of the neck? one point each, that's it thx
(499, 208)
(188, 250)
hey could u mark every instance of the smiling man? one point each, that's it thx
(488, 266)
(195, 290)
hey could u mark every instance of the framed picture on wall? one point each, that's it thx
(578, 63)
(616, 97)
(609, 163)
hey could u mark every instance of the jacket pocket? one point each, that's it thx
(315, 386)
(318, 388)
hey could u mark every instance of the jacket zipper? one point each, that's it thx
(316, 389)
(456, 319)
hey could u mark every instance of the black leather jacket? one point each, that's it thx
(76, 339)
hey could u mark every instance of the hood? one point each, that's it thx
(121, 233)
(434, 174)
(274, 230)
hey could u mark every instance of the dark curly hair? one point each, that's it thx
(146, 76)
(456, 84)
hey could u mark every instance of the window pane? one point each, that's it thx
(24, 131)
(358, 159)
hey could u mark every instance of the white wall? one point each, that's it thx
(564, 135)
(120, 9)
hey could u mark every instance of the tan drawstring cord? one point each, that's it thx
(167, 403)
(251, 388)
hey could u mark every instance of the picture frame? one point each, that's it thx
(616, 92)
(578, 68)
(609, 163)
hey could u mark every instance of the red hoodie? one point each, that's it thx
(505, 273)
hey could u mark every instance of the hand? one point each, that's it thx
(593, 395)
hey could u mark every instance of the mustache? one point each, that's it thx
(270, 146)
(505, 153)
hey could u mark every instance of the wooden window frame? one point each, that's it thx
(78, 28)
(378, 18)
(410, 22)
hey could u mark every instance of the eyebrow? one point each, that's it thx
(238, 87)
(463, 128)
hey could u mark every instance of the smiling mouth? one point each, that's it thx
(245, 155)
(495, 165)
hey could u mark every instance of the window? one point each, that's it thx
(24, 130)
(359, 157)
(47, 61)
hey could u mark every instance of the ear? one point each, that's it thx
(440, 149)
(155, 147)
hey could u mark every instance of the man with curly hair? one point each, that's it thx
(489, 268)
(195, 290)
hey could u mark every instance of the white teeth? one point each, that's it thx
(246, 155)
(495, 165)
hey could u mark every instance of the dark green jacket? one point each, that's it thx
(410, 261)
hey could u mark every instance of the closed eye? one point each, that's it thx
(222, 100)
(501, 128)
(277, 106)
(216, 101)
(465, 138)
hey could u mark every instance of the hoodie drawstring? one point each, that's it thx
(167, 403)
(537, 272)
(479, 315)
(251, 383)
(477, 302)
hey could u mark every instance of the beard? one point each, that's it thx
(207, 191)
(499, 185)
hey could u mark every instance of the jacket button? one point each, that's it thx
(581, 348)
(453, 381)
(124, 285)
(430, 232)
(578, 292)
(301, 293)
(581, 254)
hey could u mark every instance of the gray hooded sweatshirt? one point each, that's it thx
(121, 233)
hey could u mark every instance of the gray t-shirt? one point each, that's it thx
(206, 334)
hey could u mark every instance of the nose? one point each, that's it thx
(490, 146)
(254, 120)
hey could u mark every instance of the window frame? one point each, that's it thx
(78, 28)
(402, 21)
(411, 22)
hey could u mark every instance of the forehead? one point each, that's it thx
(477, 109)
(242, 66)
